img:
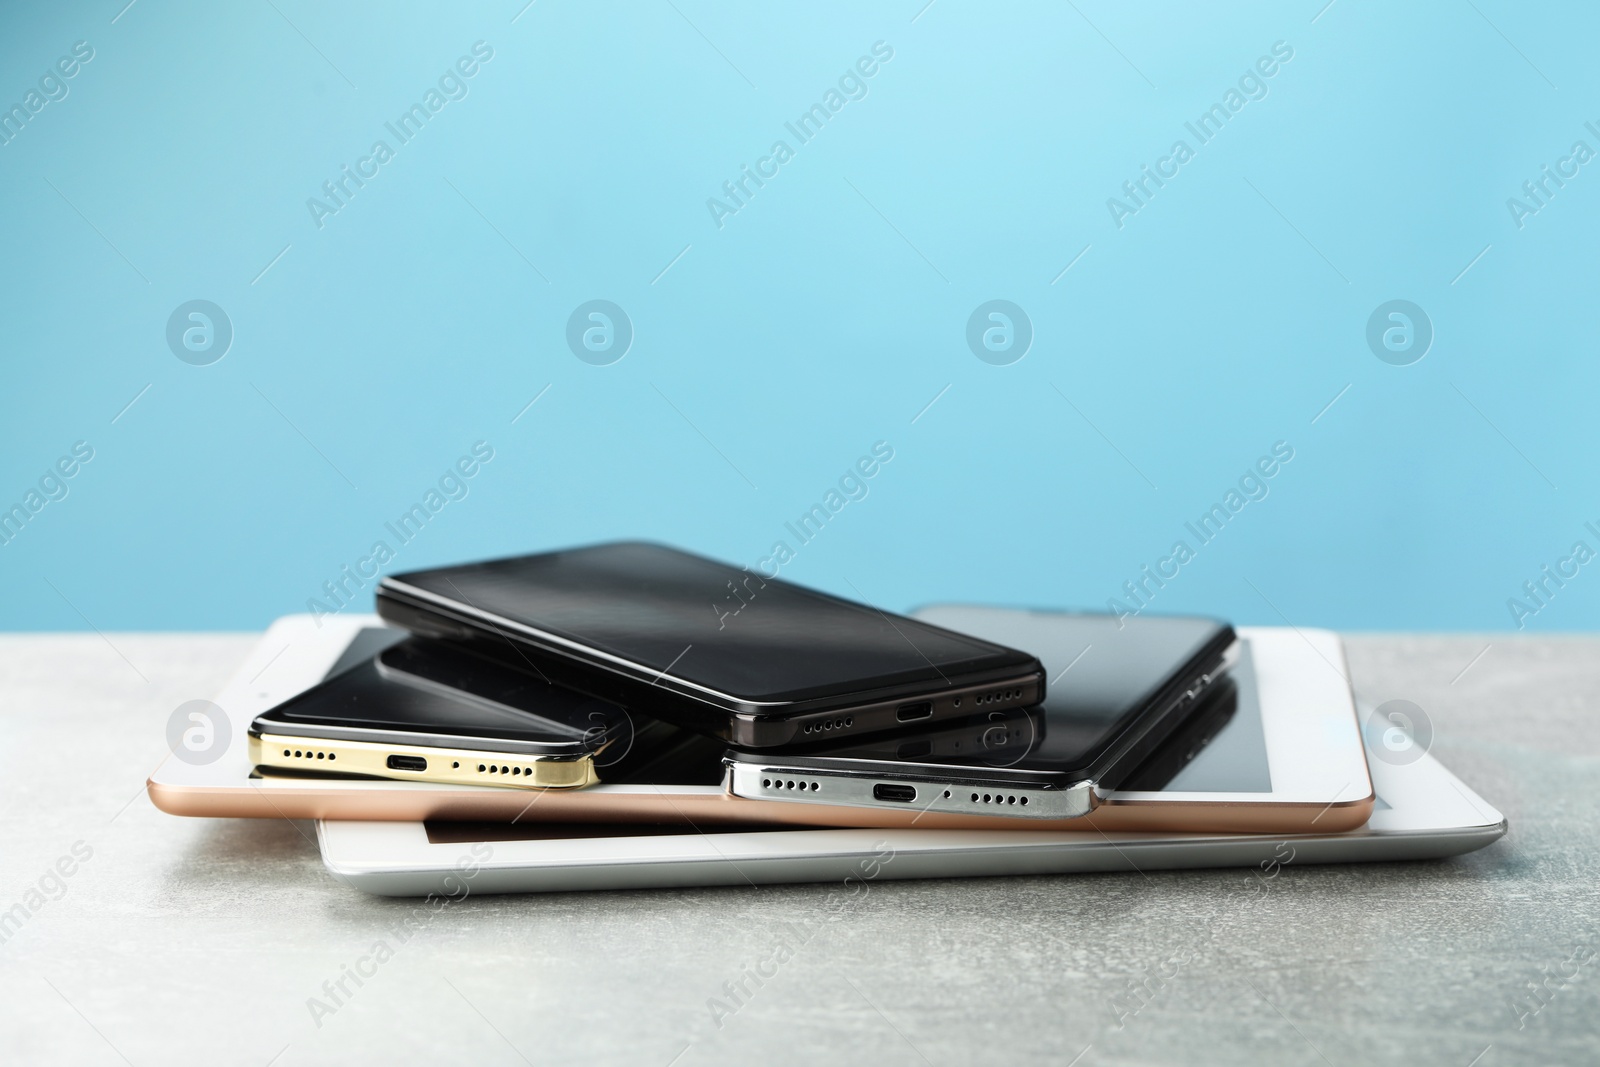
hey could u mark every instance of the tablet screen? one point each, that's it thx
(1232, 758)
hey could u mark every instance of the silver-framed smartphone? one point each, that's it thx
(1123, 687)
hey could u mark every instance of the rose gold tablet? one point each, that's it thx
(1293, 760)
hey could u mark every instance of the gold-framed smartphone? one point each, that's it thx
(420, 763)
(418, 711)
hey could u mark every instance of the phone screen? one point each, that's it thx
(1101, 674)
(729, 630)
(1223, 749)
(1226, 754)
(1230, 756)
(385, 681)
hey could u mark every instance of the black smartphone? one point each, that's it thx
(420, 710)
(756, 661)
(1123, 687)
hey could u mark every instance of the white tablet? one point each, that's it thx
(1290, 760)
(1422, 812)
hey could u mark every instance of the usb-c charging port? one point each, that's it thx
(904, 794)
(406, 763)
(920, 710)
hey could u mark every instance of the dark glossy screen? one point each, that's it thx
(712, 624)
(1234, 759)
(1100, 675)
(387, 682)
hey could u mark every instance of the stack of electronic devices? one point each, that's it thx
(629, 715)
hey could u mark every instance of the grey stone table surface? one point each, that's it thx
(175, 941)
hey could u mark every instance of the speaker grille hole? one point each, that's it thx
(997, 798)
(786, 784)
(828, 725)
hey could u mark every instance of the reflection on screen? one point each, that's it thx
(1091, 662)
(713, 624)
(1235, 760)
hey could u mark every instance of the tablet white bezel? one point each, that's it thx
(1308, 720)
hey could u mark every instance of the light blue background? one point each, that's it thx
(820, 319)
